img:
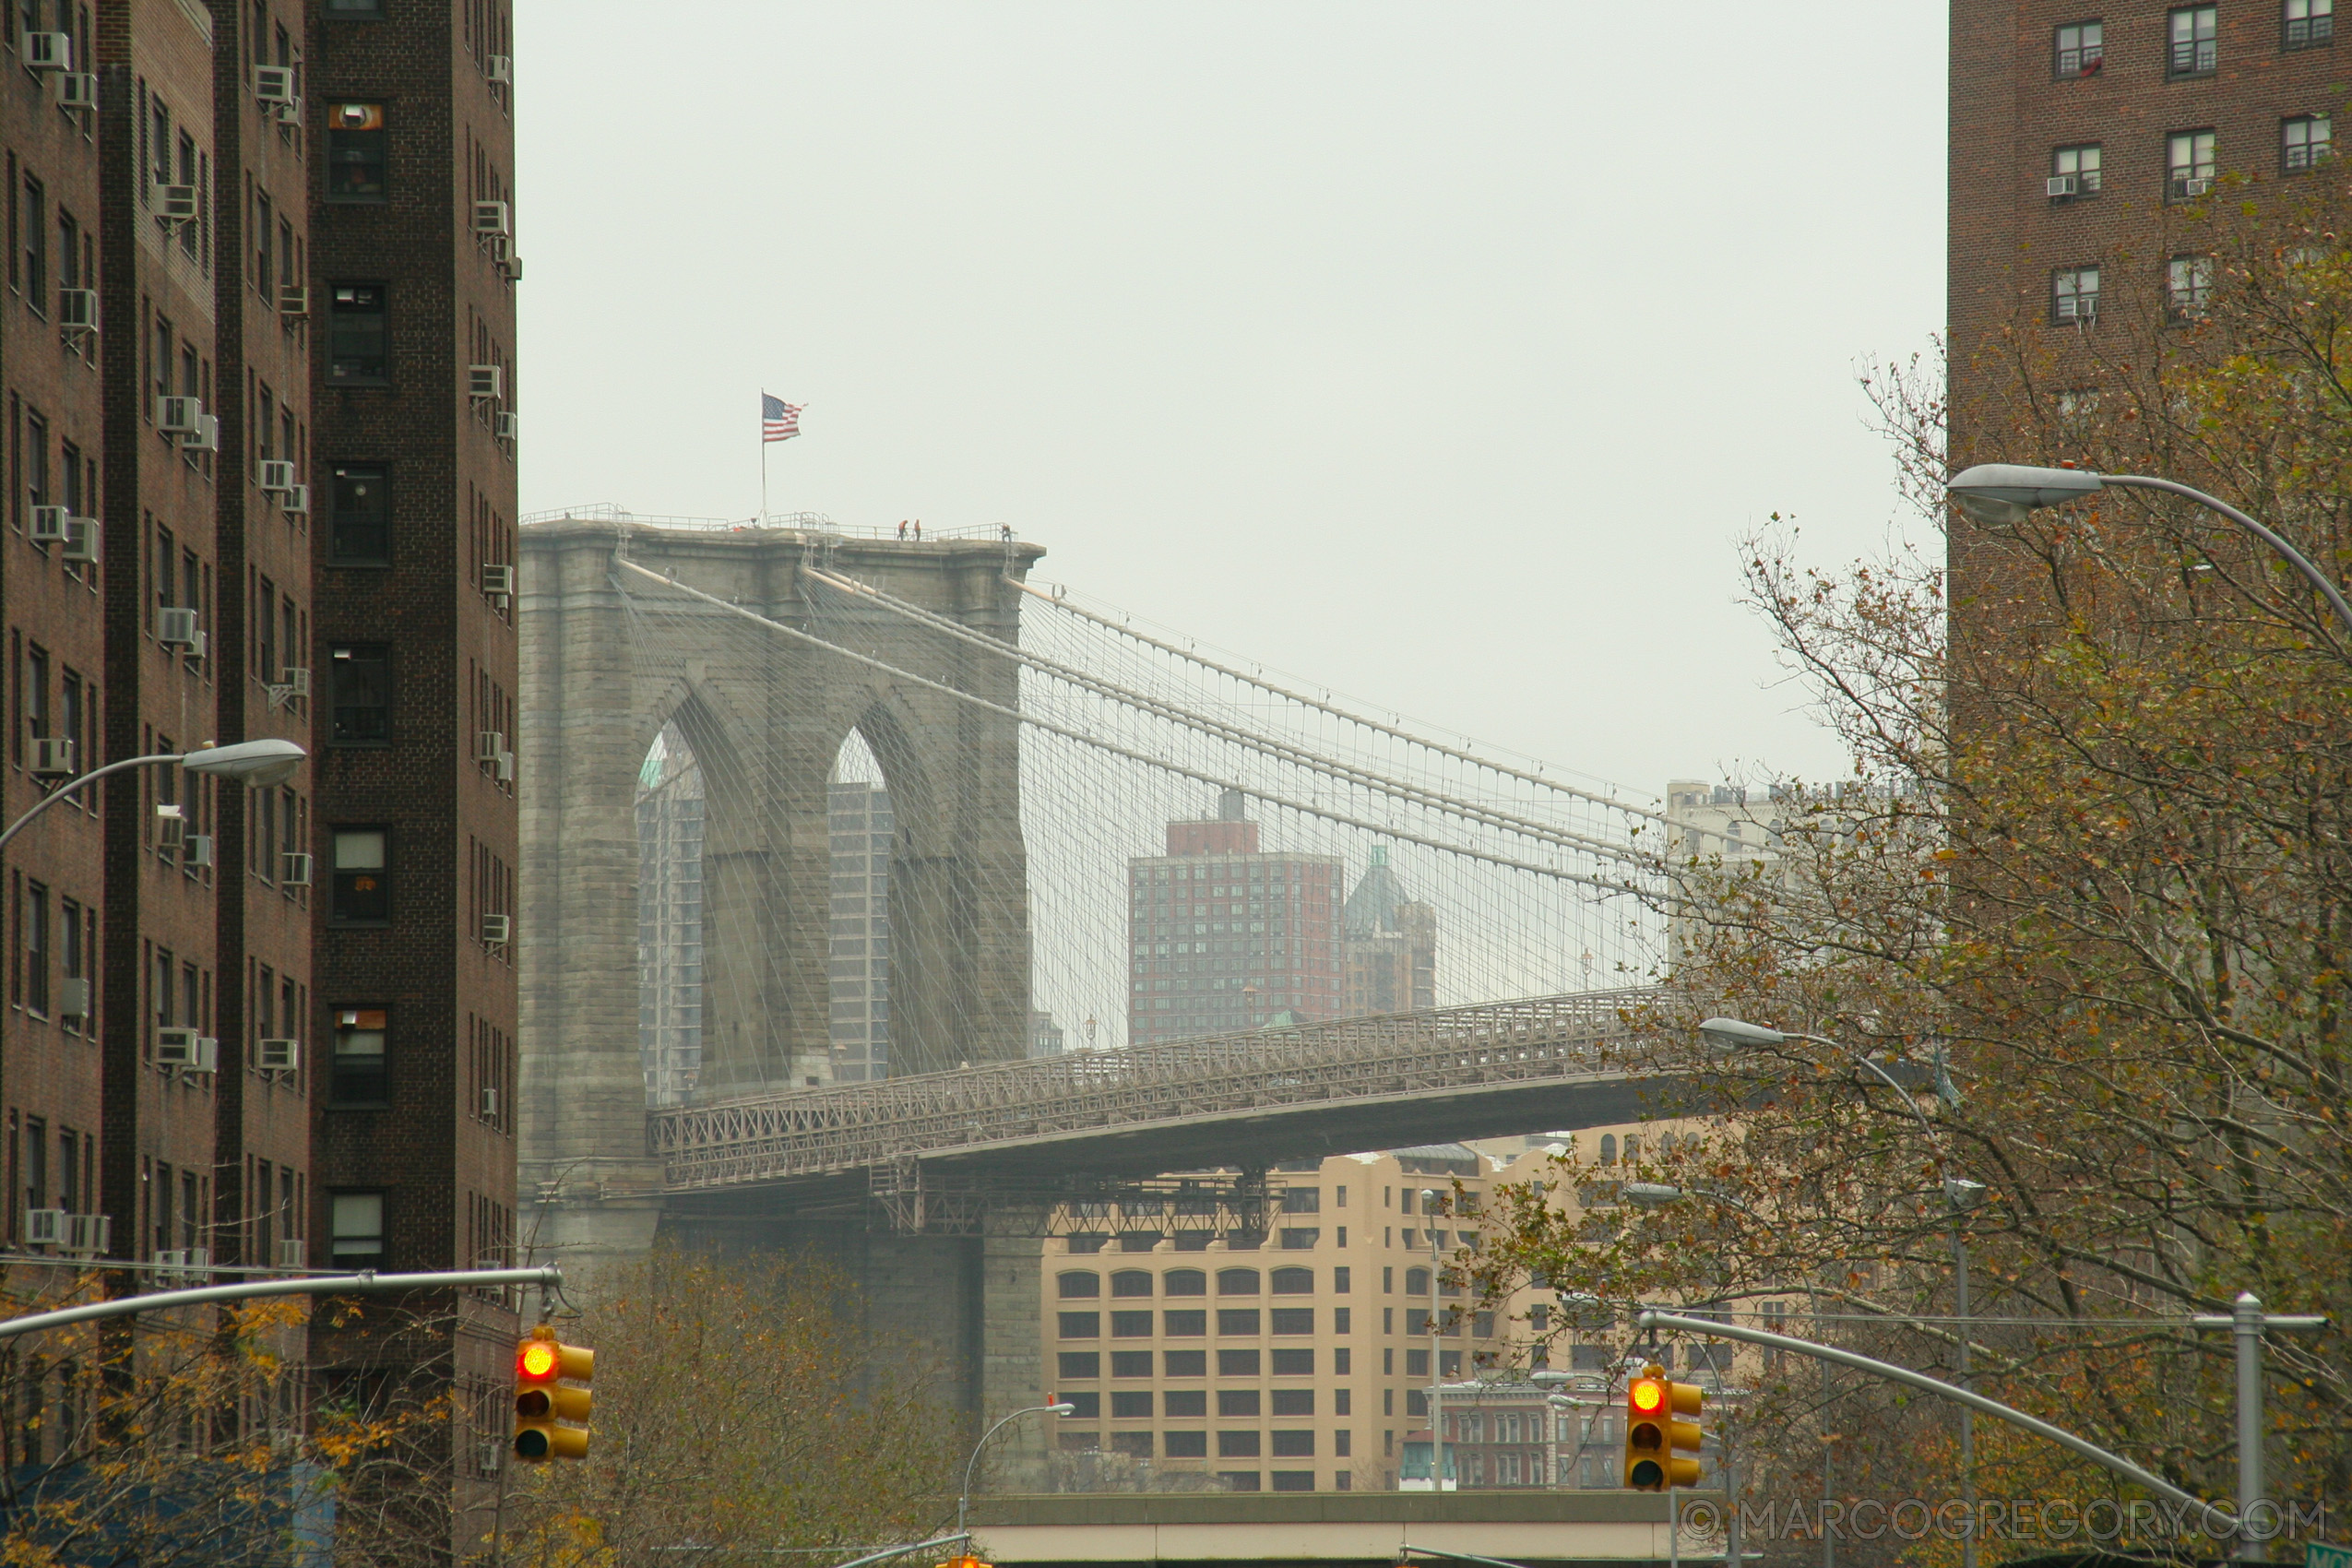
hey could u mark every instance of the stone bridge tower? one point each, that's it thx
(766, 714)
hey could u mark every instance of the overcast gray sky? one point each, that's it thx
(1439, 353)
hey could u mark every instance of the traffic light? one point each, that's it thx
(965, 1562)
(550, 1390)
(1655, 1441)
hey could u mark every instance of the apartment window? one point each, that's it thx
(2075, 170)
(1293, 1402)
(1237, 1363)
(1079, 1284)
(1183, 1363)
(2188, 164)
(356, 1230)
(1238, 1445)
(1237, 1319)
(358, 336)
(340, 10)
(36, 243)
(360, 525)
(2187, 287)
(1237, 1281)
(1187, 1324)
(1069, 1364)
(355, 153)
(1185, 1444)
(358, 1073)
(2307, 23)
(1293, 1281)
(2305, 142)
(34, 920)
(1130, 1282)
(1184, 1282)
(360, 694)
(1130, 1404)
(1293, 1445)
(1299, 1362)
(1131, 1363)
(2078, 48)
(1090, 1407)
(1237, 1402)
(2195, 41)
(361, 891)
(1131, 1326)
(1294, 1320)
(1081, 1326)
(2074, 296)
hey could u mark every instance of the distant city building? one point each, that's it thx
(859, 961)
(1224, 935)
(1389, 946)
(669, 912)
(1282, 1342)
(1046, 1037)
(1704, 821)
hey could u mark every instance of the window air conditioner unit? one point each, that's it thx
(90, 1234)
(44, 1227)
(485, 382)
(52, 756)
(76, 89)
(49, 523)
(295, 677)
(274, 84)
(175, 628)
(200, 1260)
(294, 869)
(497, 929)
(502, 248)
(81, 538)
(498, 581)
(506, 425)
(297, 502)
(176, 204)
(196, 849)
(499, 69)
(175, 1048)
(293, 299)
(294, 1252)
(77, 309)
(505, 768)
(2062, 186)
(494, 218)
(276, 475)
(488, 743)
(168, 1265)
(289, 112)
(280, 1055)
(178, 416)
(47, 50)
(490, 1103)
(206, 437)
(72, 996)
(2191, 187)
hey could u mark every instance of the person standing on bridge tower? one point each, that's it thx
(918, 531)
(902, 531)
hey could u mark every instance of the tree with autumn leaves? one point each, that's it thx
(2088, 886)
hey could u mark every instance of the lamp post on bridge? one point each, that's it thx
(964, 1499)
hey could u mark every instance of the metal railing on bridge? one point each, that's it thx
(810, 1133)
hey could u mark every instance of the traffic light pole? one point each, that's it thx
(2209, 1512)
(364, 1283)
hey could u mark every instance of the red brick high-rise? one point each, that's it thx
(258, 344)
(2073, 125)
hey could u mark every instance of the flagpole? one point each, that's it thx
(763, 463)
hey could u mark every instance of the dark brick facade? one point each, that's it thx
(206, 919)
(2012, 108)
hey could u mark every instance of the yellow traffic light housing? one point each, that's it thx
(551, 1397)
(1655, 1441)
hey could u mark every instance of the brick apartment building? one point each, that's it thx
(2074, 125)
(258, 348)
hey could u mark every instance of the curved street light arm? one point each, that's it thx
(2087, 1449)
(2294, 557)
(73, 784)
(964, 1499)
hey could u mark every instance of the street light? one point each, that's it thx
(1436, 1353)
(964, 1500)
(2006, 492)
(258, 764)
(1959, 1195)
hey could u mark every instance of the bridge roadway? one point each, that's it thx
(1247, 1099)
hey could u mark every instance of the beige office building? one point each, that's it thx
(1299, 1357)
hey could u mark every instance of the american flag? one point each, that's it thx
(778, 420)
